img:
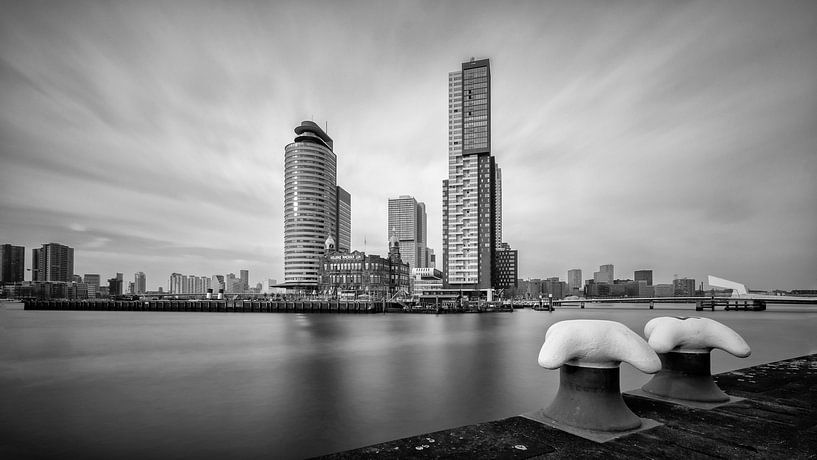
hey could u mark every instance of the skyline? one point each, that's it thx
(152, 139)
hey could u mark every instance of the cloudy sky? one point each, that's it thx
(678, 136)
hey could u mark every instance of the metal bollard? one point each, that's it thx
(684, 346)
(588, 354)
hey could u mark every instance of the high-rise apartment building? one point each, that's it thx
(604, 275)
(643, 275)
(52, 262)
(507, 267)
(139, 283)
(12, 263)
(409, 223)
(343, 209)
(245, 280)
(311, 204)
(574, 281)
(472, 220)
(115, 285)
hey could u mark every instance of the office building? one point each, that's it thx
(408, 222)
(506, 267)
(245, 280)
(574, 281)
(311, 204)
(52, 262)
(425, 279)
(472, 220)
(139, 283)
(643, 275)
(343, 209)
(604, 275)
(12, 263)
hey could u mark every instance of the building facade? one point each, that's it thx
(52, 262)
(604, 275)
(574, 281)
(409, 223)
(310, 203)
(12, 263)
(343, 209)
(506, 270)
(643, 275)
(683, 287)
(472, 218)
(356, 275)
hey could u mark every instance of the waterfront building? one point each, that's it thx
(683, 287)
(355, 275)
(52, 262)
(218, 283)
(139, 283)
(311, 204)
(471, 218)
(92, 280)
(604, 275)
(408, 221)
(643, 275)
(574, 281)
(12, 263)
(506, 267)
(555, 287)
(645, 290)
(425, 279)
(245, 280)
(343, 211)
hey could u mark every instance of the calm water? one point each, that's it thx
(192, 385)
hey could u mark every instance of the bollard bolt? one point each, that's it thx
(684, 346)
(588, 353)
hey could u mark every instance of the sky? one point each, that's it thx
(677, 136)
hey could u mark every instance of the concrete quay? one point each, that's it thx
(777, 419)
(212, 306)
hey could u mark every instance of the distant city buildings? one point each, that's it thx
(408, 222)
(115, 285)
(311, 204)
(92, 281)
(574, 281)
(604, 275)
(12, 263)
(139, 283)
(643, 275)
(343, 211)
(52, 262)
(472, 208)
(189, 284)
(683, 287)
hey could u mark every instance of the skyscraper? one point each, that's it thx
(311, 204)
(12, 263)
(604, 275)
(245, 280)
(471, 218)
(408, 222)
(343, 209)
(52, 262)
(92, 280)
(139, 283)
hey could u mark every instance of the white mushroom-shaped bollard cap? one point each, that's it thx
(596, 343)
(695, 335)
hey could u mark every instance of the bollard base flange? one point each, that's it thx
(592, 435)
(684, 402)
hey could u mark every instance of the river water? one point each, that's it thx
(215, 385)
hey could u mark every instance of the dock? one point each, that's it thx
(777, 419)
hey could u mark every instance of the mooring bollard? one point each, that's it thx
(588, 353)
(684, 346)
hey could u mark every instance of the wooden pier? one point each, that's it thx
(778, 419)
(211, 306)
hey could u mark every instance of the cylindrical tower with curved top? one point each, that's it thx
(310, 202)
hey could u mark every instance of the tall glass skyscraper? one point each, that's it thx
(52, 262)
(408, 222)
(472, 211)
(311, 204)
